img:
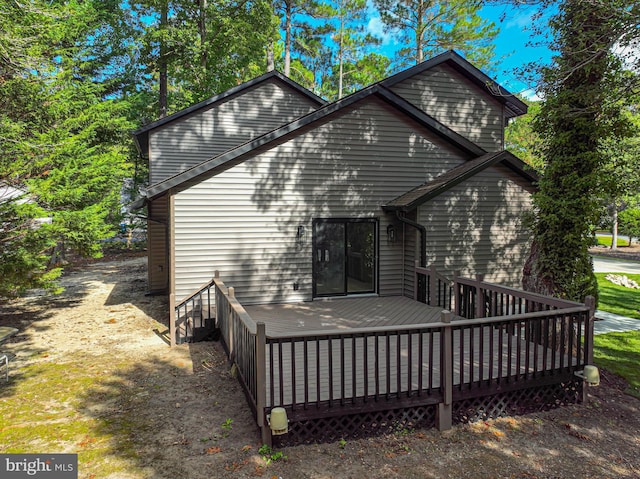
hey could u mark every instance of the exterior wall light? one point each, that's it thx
(300, 234)
(590, 374)
(278, 421)
(391, 234)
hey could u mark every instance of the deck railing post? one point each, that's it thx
(172, 319)
(433, 286)
(480, 313)
(456, 293)
(444, 418)
(261, 382)
(231, 293)
(416, 281)
(590, 302)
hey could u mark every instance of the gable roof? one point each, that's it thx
(514, 106)
(273, 137)
(141, 135)
(414, 198)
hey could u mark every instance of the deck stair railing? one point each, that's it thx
(335, 373)
(433, 288)
(191, 319)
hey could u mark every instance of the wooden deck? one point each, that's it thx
(318, 365)
(342, 314)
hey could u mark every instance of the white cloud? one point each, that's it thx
(630, 55)
(521, 21)
(531, 95)
(376, 27)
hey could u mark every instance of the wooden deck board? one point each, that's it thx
(342, 313)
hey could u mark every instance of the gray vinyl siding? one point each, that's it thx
(411, 255)
(185, 143)
(243, 221)
(477, 227)
(157, 252)
(453, 100)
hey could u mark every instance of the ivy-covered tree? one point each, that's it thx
(581, 109)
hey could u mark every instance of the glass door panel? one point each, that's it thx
(360, 257)
(344, 257)
(329, 258)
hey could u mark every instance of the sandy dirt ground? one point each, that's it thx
(182, 415)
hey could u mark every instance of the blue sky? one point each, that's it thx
(514, 44)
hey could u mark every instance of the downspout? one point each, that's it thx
(423, 237)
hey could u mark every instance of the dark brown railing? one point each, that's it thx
(334, 373)
(433, 288)
(315, 371)
(479, 299)
(522, 348)
(191, 319)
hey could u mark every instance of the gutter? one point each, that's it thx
(423, 237)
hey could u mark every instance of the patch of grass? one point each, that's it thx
(50, 408)
(618, 299)
(620, 354)
(607, 240)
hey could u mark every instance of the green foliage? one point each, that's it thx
(207, 46)
(346, 18)
(62, 134)
(522, 140)
(629, 222)
(269, 455)
(433, 27)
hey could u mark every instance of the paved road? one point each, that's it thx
(610, 265)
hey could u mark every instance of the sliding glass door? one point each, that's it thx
(344, 256)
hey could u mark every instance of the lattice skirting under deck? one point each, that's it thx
(518, 402)
(354, 426)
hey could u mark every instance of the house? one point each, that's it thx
(293, 199)
(307, 230)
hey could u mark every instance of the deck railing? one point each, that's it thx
(507, 350)
(475, 298)
(433, 288)
(314, 371)
(191, 318)
(244, 342)
(334, 373)
(479, 299)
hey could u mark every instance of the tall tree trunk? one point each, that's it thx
(341, 56)
(287, 38)
(614, 226)
(202, 30)
(162, 67)
(573, 122)
(271, 63)
(420, 27)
